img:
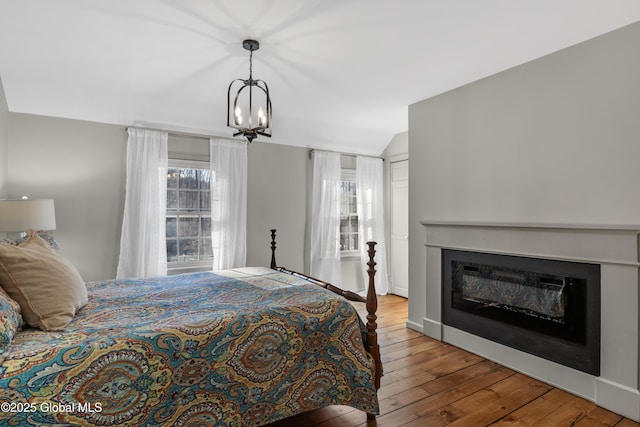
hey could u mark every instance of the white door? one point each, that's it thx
(399, 219)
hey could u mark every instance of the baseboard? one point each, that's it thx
(415, 326)
(432, 328)
(618, 398)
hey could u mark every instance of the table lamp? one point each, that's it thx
(20, 215)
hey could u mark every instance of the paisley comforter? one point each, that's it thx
(239, 347)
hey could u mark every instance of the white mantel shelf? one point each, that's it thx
(611, 244)
(539, 225)
(614, 247)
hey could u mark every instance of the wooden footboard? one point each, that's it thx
(371, 301)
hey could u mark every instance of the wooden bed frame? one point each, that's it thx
(371, 301)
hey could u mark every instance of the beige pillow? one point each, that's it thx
(46, 285)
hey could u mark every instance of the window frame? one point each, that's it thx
(349, 175)
(182, 266)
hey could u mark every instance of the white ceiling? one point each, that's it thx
(341, 72)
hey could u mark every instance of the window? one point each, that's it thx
(188, 214)
(348, 213)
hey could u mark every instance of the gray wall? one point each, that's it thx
(81, 166)
(555, 140)
(276, 192)
(277, 198)
(279, 192)
(4, 142)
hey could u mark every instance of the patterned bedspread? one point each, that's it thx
(239, 347)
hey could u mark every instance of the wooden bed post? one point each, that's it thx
(371, 303)
(372, 306)
(273, 248)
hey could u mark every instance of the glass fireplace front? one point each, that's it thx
(548, 308)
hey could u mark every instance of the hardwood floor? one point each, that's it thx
(430, 383)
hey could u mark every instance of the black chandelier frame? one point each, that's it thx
(264, 122)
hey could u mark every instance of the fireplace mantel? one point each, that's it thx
(614, 247)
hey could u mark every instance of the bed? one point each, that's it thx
(247, 346)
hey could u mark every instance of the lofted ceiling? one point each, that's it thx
(341, 72)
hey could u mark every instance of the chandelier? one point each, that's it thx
(250, 109)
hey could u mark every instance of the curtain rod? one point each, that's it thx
(343, 154)
(181, 133)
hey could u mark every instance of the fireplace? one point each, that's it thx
(547, 308)
(614, 248)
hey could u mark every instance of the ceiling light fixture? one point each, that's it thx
(250, 110)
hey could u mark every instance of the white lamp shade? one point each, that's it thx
(21, 215)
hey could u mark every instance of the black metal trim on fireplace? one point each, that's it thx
(533, 334)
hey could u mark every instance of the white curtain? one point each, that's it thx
(325, 218)
(228, 203)
(369, 193)
(143, 247)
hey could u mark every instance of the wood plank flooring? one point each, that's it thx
(430, 383)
